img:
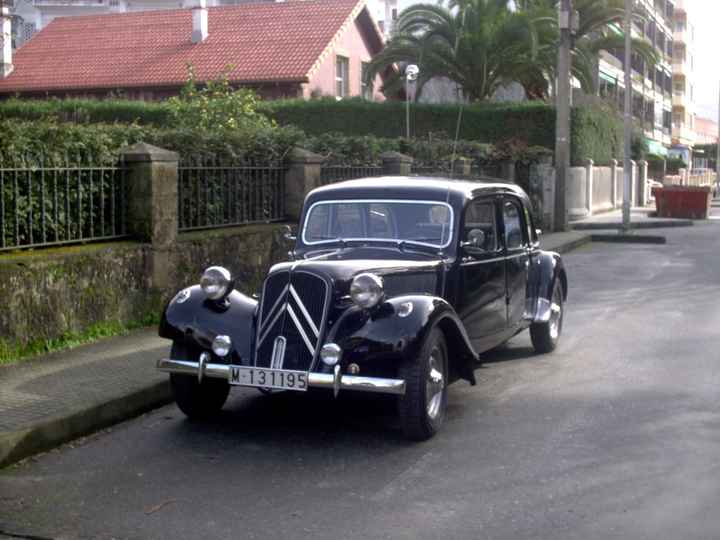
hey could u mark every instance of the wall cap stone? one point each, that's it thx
(396, 157)
(300, 155)
(147, 153)
(589, 162)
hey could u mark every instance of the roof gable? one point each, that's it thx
(251, 42)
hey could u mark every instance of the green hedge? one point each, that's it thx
(87, 111)
(596, 132)
(489, 123)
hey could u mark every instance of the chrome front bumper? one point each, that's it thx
(335, 381)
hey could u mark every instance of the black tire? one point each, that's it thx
(545, 336)
(421, 416)
(198, 401)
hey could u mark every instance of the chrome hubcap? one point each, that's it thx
(556, 314)
(435, 384)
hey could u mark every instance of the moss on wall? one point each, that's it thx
(62, 293)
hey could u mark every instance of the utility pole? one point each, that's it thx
(627, 162)
(562, 120)
(717, 148)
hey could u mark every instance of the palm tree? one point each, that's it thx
(478, 44)
(600, 28)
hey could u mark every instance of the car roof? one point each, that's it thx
(416, 187)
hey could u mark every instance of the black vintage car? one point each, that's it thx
(395, 285)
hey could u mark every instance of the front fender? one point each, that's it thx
(548, 270)
(378, 340)
(191, 318)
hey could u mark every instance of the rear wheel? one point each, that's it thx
(545, 336)
(422, 408)
(198, 400)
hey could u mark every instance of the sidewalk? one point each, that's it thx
(640, 218)
(58, 397)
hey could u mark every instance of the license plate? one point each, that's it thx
(268, 378)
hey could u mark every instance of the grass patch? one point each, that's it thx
(12, 353)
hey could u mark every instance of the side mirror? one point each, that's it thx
(289, 236)
(538, 232)
(475, 244)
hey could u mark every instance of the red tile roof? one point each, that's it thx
(259, 41)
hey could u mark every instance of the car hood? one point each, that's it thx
(402, 272)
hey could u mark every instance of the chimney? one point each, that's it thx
(200, 22)
(6, 65)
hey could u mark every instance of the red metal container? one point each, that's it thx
(688, 202)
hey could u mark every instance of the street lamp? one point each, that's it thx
(411, 75)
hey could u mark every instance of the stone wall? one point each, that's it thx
(53, 292)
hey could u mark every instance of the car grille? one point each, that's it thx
(292, 318)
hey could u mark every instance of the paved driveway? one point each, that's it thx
(616, 435)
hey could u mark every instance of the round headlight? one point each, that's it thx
(216, 282)
(221, 346)
(367, 290)
(330, 354)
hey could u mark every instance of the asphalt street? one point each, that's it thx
(615, 435)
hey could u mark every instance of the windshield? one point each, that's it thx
(421, 222)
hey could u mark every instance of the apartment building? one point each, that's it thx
(652, 104)
(683, 101)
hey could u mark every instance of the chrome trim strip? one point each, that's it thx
(277, 359)
(318, 380)
(300, 329)
(280, 298)
(366, 201)
(304, 311)
(269, 327)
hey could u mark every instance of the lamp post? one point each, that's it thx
(411, 75)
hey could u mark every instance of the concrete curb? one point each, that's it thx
(659, 224)
(16, 445)
(621, 238)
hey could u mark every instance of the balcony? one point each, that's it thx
(681, 36)
(680, 66)
(680, 99)
(683, 134)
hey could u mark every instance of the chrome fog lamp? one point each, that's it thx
(330, 354)
(367, 290)
(216, 282)
(221, 346)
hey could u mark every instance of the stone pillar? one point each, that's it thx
(542, 194)
(613, 182)
(396, 164)
(589, 173)
(153, 205)
(462, 166)
(642, 183)
(507, 171)
(682, 172)
(302, 176)
(633, 182)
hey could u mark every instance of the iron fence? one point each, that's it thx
(46, 205)
(337, 173)
(215, 193)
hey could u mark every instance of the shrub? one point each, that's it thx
(215, 106)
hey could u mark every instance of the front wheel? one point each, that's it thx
(198, 400)
(422, 408)
(545, 336)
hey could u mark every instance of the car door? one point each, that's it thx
(517, 259)
(481, 291)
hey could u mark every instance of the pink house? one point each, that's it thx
(296, 48)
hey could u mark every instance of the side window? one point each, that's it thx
(480, 214)
(532, 234)
(513, 225)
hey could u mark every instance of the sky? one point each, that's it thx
(705, 15)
